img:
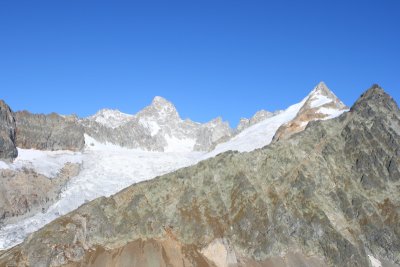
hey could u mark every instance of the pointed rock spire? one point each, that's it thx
(160, 107)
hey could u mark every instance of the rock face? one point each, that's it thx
(321, 104)
(328, 196)
(158, 127)
(48, 132)
(23, 193)
(8, 151)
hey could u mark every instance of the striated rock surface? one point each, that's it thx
(328, 196)
(48, 132)
(8, 150)
(321, 104)
(26, 192)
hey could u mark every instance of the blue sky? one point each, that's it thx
(210, 58)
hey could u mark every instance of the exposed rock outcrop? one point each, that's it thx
(258, 117)
(8, 150)
(25, 192)
(328, 196)
(321, 104)
(48, 132)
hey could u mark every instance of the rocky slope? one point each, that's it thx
(8, 151)
(326, 196)
(26, 192)
(48, 132)
(321, 104)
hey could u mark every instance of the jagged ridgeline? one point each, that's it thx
(327, 196)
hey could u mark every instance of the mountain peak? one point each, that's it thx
(159, 109)
(323, 90)
(321, 95)
(111, 117)
(159, 100)
(320, 104)
(162, 103)
(375, 98)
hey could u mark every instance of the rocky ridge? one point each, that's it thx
(325, 196)
(48, 132)
(8, 150)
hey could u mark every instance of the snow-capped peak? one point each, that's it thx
(320, 104)
(160, 108)
(322, 97)
(321, 88)
(112, 118)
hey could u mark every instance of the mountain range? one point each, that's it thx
(318, 186)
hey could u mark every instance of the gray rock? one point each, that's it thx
(8, 150)
(258, 117)
(48, 132)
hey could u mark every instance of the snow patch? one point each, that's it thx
(374, 261)
(319, 100)
(48, 163)
(151, 125)
(331, 112)
(175, 144)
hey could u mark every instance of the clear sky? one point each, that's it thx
(210, 58)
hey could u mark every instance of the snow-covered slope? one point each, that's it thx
(48, 163)
(260, 134)
(106, 170)
(320, 103)
(112, 118)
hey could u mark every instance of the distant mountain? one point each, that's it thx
(319, 104)
(258, 117)
(111, 118)
(328, 196)
(158, 127)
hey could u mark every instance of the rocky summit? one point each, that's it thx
(157, 127)
(327, 196)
